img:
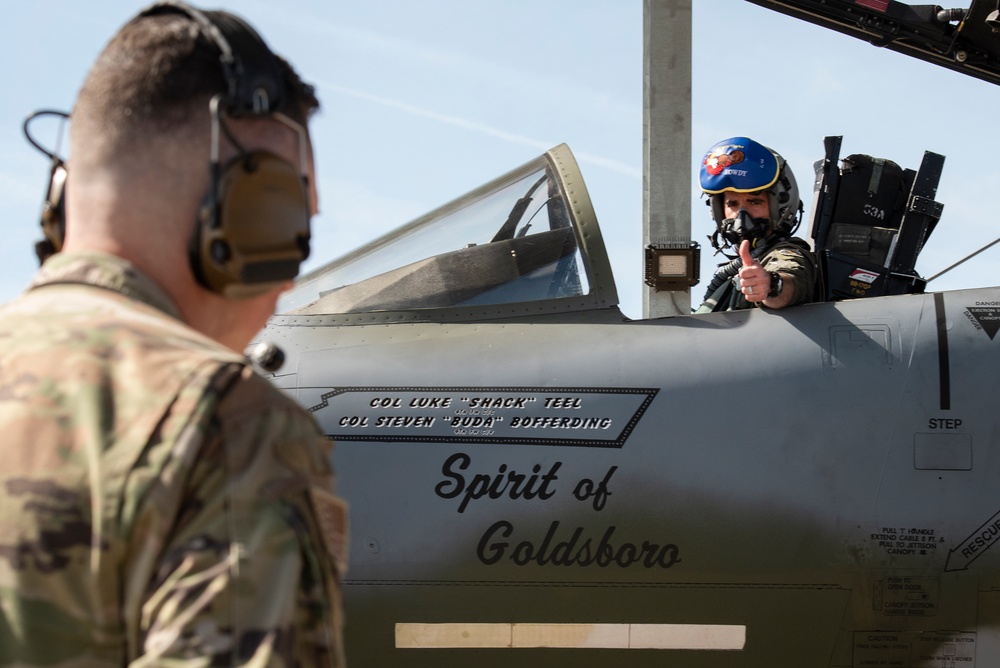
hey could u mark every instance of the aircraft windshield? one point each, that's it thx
(510, 242)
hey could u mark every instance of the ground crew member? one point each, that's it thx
(160, 503)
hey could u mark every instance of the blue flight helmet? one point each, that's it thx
(742, 165)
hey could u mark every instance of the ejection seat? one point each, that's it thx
(871, 218)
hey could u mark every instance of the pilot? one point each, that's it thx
(160, 502)
(756, 208)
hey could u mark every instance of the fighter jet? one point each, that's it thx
(536, 480)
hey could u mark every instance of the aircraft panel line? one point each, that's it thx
(657, 585)
(943, 362)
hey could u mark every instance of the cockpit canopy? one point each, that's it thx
(529, 236)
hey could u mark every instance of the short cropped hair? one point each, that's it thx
(157, 76)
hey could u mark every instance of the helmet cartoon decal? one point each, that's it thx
(740, 164)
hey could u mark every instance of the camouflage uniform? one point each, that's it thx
(788, 257)
(160, 503)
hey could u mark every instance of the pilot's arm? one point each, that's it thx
(774, 288)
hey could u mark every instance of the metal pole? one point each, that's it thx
(666, 200)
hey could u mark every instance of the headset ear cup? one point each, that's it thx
(252, 232)
(53, 219)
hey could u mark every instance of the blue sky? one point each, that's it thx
(424, 101)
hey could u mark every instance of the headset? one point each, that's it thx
(53, 206)
(251, 232)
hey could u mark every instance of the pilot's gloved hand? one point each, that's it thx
(755, 282)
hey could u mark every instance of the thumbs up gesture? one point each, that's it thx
(755, 283)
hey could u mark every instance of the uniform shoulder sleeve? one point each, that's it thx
(797, 262)
(251, 572)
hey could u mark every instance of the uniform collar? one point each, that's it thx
(104, 271)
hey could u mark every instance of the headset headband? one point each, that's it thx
(253, 76)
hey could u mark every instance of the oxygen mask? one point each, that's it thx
(744, 226)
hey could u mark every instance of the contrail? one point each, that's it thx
(466, 124)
